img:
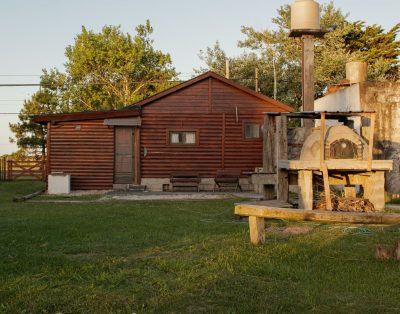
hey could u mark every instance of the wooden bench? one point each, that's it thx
(227, 178)
(257, 214)
(185, 179)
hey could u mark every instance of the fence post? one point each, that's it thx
(5, 169)
(9, 170)
(1, 169)
(43, 167)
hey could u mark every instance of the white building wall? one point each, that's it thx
(347, 99)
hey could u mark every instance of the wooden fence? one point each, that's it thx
(11, 170)
(3, 169)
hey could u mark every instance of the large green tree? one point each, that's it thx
(278, 57)
(105, 70)
(110, 69)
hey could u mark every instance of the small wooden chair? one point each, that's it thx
(227, 178)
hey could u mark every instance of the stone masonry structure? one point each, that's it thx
(384, 98)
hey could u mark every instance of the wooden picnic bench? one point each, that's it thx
(258, 211)
(185, 179)
(227, 178)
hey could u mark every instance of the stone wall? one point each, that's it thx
(384, 98)
(296, 138)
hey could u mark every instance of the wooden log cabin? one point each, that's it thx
(202, 125)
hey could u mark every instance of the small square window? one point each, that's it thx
(182, 137)
(251, 130)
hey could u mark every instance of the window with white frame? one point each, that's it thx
(182, 137)
(251, 130)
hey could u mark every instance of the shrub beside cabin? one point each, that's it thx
(202, 125)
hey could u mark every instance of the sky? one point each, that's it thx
(35, 33)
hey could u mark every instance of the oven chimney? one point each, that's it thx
(356, 71)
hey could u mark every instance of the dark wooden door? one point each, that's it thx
(124, 156)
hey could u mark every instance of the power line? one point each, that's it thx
(82, 84)
(12, 100)
(184, 73)
(88, 84)
(19, 75)
(98, 83)
(38, 75)
(21, 85)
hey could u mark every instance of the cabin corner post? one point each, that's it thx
(137, 149)
(257, 230)
(282, 154)
(269, 154)
(209, 100)
(48, 144)
(223, 141)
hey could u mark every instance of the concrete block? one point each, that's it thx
(59, 183)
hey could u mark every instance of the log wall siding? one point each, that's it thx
(87, 154)
(190, 109)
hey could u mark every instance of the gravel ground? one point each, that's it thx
(136, 196)
(106, 195)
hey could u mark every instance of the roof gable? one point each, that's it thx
(204, 76)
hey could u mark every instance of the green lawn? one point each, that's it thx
(182, 257)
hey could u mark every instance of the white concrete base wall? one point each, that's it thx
(206, 184)
(155, 184)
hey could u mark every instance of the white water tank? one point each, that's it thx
(305, 15)
(356, 71)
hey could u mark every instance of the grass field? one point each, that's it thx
(183, 257)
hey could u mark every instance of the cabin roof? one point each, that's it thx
(135, 109)
(203, 77)
(85, 115)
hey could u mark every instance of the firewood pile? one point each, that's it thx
(345, 204)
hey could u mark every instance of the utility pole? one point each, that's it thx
(275, 77)
(256, 75)
(308, 72)
(305, 24)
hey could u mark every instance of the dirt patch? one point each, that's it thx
(80, 255)
(289, 230)
(296, 230)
